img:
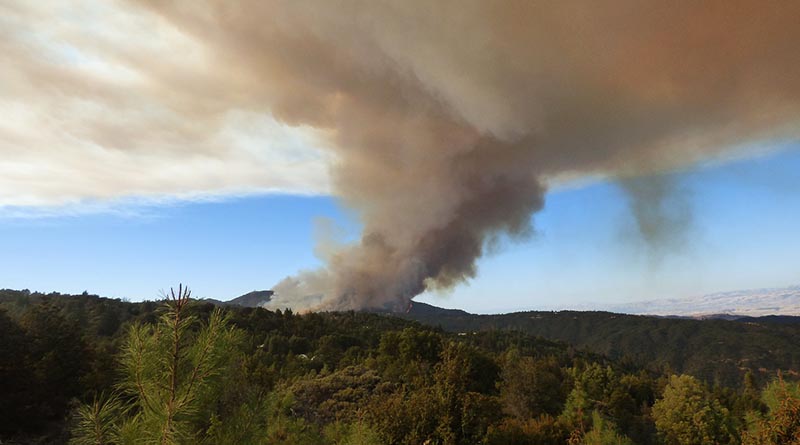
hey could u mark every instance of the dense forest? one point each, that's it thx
(81, 369)
(718, 351)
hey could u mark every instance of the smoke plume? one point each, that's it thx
(661, 211)
(447, 119)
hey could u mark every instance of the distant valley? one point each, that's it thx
(746, 303)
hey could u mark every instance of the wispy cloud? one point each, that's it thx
(103, 100)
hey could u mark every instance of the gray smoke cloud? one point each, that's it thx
(661, 210)
(447, 119)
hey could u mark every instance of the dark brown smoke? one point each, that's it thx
(448, 118)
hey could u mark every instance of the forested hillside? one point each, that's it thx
(83, 369)
(715, 350)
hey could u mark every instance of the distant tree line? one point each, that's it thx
(717, 351)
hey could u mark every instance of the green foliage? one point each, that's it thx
(284, 427)
(97, 422)
(592, 390)
(240, 423)
(688, 415)
(452, 386)
(358, 433)
(715, 351)
(409, 355)
(169, 373)
(400, 416)
(781, 424)
(603, 433)
(15, 375)
(337, 396)
(56, 351)
(170, 370)
(531, 387)
(779, 391)
(252, 376)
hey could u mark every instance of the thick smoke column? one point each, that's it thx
(448, 118)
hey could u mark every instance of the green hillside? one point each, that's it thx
(82, 369)
(718, 351)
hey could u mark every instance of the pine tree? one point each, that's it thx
(170, 373)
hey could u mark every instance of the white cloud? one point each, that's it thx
(93, 110)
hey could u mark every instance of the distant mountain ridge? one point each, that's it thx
(729, 305)
(716, 349)
(734, 304)
(256, 298)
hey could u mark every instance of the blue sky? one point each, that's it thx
(744, 234)
(206, 150)
(585, 250)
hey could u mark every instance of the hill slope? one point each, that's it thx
(257, 298)
(716, 350)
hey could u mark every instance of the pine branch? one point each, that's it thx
(97, 422)
(179, 302)
(135, 351)
(210, 334)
